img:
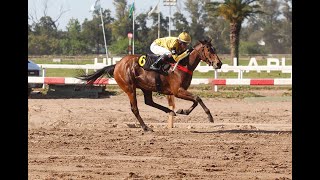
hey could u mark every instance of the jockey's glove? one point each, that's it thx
(189, 49)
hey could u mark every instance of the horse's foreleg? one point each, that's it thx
(149, 101)
(184, 94)
(189, 97)
(204, 107)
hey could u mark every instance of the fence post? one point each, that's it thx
(43, 75)
(215, 77)
(235, 63)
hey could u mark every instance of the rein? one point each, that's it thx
(184, 69)
(199, 53)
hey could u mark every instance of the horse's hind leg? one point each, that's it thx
(131, 92)
(135, 110)
(125, 80)
(149, 101)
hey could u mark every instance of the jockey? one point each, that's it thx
(168, 47)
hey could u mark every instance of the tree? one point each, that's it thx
(286, 25)
(180, 22)
(235, 12)
(122, 24)
(74, 28)
(140, 34)
(274, 26)
(164, 26)
(73, 43)
(270, 25)
(46, 26)
(32, 15)
(218, 30)
(92, 31)
(197, 28)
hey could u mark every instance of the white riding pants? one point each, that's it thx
(156, 49)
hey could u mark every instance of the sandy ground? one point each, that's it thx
(100, 138)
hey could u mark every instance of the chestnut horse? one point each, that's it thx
(129, 75)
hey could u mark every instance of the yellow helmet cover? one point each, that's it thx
(184, 37)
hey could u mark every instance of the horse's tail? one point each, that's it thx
(108, 70)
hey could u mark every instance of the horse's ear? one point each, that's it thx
(205, 39)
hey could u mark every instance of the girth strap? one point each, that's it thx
(158, 83)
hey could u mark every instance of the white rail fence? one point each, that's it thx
(273, 64)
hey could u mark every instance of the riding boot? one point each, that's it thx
(156, 65)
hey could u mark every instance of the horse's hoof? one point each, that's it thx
(180, 111)
(211, 119)
(147, 129)
(172, 113)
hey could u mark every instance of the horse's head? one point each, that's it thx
(208, 54)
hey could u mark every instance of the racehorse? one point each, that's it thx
(129, 75)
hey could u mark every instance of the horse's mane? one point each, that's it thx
(204, 40)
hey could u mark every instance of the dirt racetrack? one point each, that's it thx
(82, 138)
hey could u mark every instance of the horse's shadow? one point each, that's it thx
(73, 94)
(239, 131)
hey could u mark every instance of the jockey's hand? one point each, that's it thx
(169, 55)
(190, 49)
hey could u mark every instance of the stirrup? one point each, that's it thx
(165, 73)
(161, 71)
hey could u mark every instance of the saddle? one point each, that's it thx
(146, 60)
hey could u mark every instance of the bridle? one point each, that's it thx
(202, 55)
(205, 58)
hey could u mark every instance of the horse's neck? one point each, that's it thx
(194, 60)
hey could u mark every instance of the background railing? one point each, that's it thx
(273, 64)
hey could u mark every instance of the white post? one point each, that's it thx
(169, 3)
(283, 61)
(104, 36)
(240, 74)
(235, 61)
(158, 24)
(133, 28)
(43, 75)
(169, 21)
(215, 77)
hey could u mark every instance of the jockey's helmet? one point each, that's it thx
(184, 37)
